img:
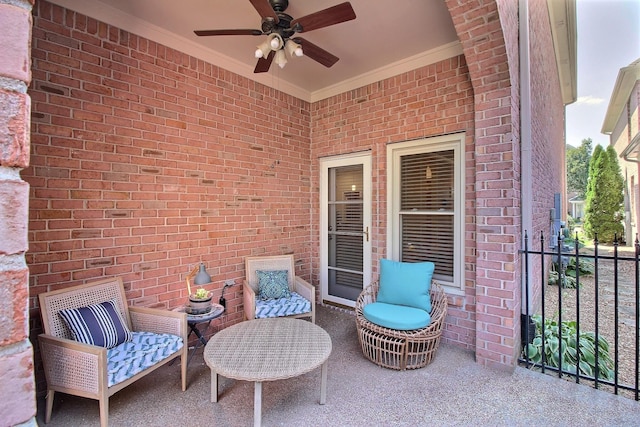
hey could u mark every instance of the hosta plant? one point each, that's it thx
(586, 267)
(567, 281)
(569, 278)
(567, 336)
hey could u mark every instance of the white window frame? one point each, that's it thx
(455, 142)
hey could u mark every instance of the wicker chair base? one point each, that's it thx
(394, 349)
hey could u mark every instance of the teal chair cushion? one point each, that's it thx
(399, 317)
(406, 283)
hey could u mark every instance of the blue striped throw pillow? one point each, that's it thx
(99, 324)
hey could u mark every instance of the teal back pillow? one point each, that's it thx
(406, 283)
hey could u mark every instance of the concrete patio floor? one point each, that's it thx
(452, 391)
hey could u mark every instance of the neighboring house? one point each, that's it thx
(145, 161)
(576, 206)
(622, 124)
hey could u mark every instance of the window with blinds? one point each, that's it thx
(426, 203)
(426, 210)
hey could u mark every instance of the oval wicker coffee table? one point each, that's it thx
(267, 350)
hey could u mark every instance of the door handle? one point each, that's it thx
(366, 232)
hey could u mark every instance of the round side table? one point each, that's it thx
(193, 320)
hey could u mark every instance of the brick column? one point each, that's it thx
(488, 32)
(17, 386)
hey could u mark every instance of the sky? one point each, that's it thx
(608, 39)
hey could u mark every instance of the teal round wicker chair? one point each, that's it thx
(401, 349)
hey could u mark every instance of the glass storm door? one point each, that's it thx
(345, 241)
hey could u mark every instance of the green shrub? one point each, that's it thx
(605, 196)
(575, 239)
(587, 349)
(567, 281)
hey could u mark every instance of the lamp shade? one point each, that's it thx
(202, 278)
(293, 48)
(263, 49)
(281, 58)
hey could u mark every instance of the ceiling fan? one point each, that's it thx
(281, 29)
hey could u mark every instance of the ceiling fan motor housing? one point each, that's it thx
(283, 27)
(279, 5)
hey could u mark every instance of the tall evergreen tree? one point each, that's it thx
(604, 198)
(578, 167)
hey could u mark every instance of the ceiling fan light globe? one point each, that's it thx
(275, 41)
(293, 48)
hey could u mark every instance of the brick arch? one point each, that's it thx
(488, 32)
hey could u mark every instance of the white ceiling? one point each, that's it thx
(386, 38)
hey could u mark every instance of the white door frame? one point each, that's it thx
(363, 158)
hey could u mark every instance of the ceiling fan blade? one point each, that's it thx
(265, 10)
(228, 32)
(316, 53)
(264, 64)
(330, 16)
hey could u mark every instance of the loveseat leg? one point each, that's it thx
(104, 412)
(183, 367)
(49, 409)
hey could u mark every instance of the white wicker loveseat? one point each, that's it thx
(153, 337)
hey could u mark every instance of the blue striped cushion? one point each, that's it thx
(98, 324)
(143, 351)
(296, 304)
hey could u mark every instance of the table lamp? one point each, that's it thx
(199, 275)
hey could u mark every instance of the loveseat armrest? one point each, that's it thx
(160, 321)
(305, 289)
(72, 366)
(249, 301)
(144, 319)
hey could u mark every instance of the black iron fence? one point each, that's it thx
(585, 318)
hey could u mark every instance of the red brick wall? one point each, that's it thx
(146, 161)
(430, 101)
(547, 133)
(17, 387)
